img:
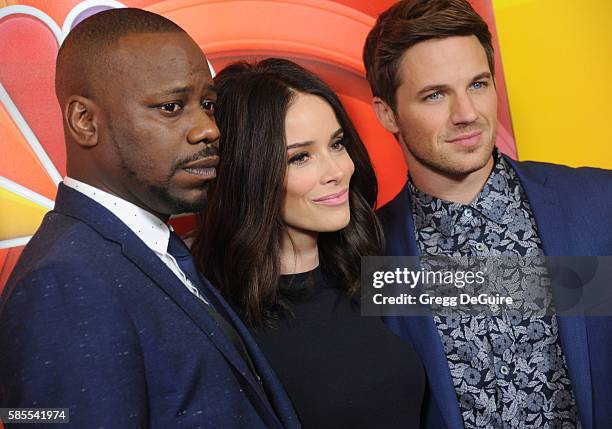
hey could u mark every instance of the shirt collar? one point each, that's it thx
(493, 201)
(148, 227)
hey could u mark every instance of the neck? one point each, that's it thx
(461, 188)
(114, 190)
(299, 251)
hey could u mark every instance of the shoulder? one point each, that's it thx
(563, 173)
(574, 184)
(60, 244)
(67, 326)
(59, 292)
(66, 264)
(396, 206)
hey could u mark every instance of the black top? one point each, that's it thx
(341, 369)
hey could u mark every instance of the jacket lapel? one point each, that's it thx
(164, 278)
(72, 203)
(549, 216)
(553, 229)
(420, 331)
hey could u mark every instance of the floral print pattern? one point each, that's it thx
(507, 367)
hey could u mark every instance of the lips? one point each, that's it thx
(466, 139)
(333, 199)
(203, 167)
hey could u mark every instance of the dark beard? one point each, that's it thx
(175, 204)
(160, 191)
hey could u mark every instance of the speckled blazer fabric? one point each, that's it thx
(91, 319)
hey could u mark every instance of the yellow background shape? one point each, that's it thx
(557, 58)
(25, 216)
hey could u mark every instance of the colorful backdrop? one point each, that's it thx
(556, 63)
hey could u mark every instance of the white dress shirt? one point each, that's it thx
(149, 228)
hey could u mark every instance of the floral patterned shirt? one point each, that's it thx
(508, 368)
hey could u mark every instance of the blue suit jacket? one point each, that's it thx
(573, 213)
(92, 320)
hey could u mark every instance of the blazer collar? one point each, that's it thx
(544, 201)
(148, 227)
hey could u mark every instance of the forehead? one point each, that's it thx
(309, 117)
(442, 61)
(156, 60)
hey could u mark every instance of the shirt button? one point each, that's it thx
(467, 213)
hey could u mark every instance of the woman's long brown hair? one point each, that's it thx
(238, 244)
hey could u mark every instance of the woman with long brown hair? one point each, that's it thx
(288, 219)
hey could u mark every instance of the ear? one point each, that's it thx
(385, 115)
(81, 120)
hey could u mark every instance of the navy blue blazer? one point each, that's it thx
(92, 320)
(573, 213)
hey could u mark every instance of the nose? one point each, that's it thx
(204, 130)
(331, 171)
(463, 110)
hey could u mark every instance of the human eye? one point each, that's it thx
(170, 108)
(209, 106)
(339, 144)
(434, 96)
(299, 158)
(480, 84)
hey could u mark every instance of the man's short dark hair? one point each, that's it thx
(84, 52)
(409, 22)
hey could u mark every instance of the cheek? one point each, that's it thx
(490, 106)
(136, 146)
(298, 185)
(423, 124)
(347, 166)
(299, 182)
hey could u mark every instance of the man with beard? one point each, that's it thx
(105, 313)
(430, 65)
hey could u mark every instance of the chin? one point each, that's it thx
(173, 200)
(478, 163)
(192, 200)
(334, 224)
(188, 205)
(464, 164)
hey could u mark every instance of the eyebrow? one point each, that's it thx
(211, 89)
(437, 87)
(335, 134)
(177, 90)
(186, 89)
